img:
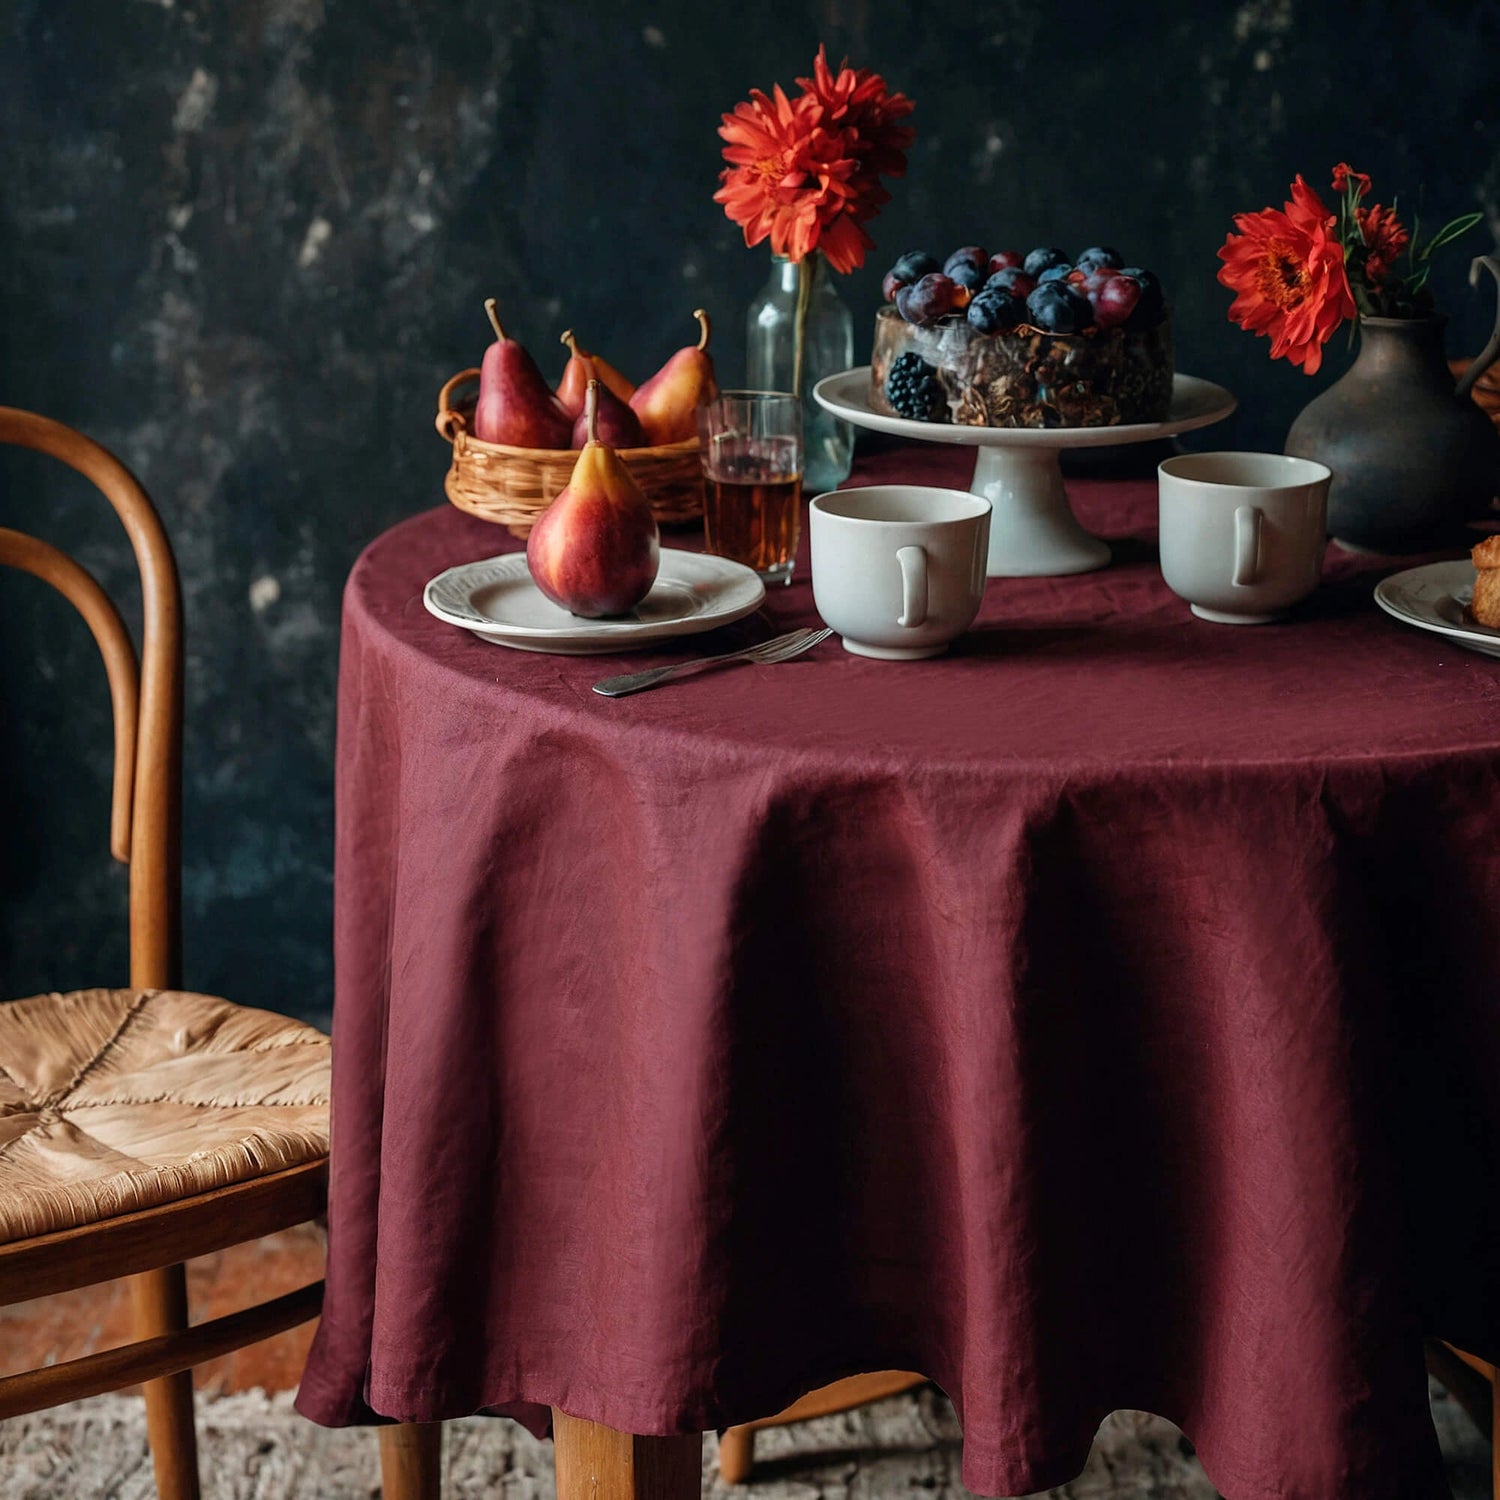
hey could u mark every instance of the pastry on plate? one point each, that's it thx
(1486, 604)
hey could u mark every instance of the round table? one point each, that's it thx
(1103, 1015)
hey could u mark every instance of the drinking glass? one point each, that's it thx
(752, 465)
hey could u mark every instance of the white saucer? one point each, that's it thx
(497, 600)
(1436, 597)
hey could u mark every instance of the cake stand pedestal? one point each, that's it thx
(1033, 531)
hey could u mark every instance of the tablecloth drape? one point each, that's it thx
(1103, 1015)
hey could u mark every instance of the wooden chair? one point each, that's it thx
(737, 1444)
(140, 1127)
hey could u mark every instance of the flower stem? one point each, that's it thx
(807, 268)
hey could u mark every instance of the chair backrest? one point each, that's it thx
(146, 817)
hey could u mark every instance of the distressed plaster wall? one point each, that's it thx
(243, 243)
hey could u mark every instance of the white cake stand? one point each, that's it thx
(1033, 531)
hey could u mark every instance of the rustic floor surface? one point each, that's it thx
(255, 1447)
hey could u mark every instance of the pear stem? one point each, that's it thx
(702, 318)
(591, 411)
(489, 307)
(569, 340)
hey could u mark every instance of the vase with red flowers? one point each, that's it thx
(1411, 455)
(804, 176)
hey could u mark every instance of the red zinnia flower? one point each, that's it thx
(805, 173)
(1385, 238)
(1287, 267)
(1341, 175)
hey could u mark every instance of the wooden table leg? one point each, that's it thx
(411, 1461)
(597, 1463)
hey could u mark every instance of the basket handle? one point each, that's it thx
(448, 422)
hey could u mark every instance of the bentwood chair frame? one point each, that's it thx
(151, 1245)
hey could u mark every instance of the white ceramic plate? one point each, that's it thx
(497, 600)
(1436, 597)
(1195, 403)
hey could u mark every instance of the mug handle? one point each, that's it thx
(1247, 523)
(913, 562)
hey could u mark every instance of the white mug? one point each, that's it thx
(899, 569)
(1242, 534)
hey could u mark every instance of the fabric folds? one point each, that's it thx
(1089, 1019)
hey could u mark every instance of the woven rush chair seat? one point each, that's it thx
(116, 1100)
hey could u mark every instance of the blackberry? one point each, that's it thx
(912, 389)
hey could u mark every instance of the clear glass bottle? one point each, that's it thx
(828, 349)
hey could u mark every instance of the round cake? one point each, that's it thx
(1013, 341)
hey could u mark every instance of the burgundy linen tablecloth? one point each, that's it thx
(1101, 1016)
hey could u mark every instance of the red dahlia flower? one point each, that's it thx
(789, 179)
(805, 173)
(1287, 267)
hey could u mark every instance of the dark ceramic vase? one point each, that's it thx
(1412, 456)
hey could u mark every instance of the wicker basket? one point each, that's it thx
(513, 486)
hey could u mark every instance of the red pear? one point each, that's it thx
(612, 378)
(516, 405)
(581, 368)
(577, 373)
(668, 403)
(595, 549)
(618, 425)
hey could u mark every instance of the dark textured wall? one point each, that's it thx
(243, 241)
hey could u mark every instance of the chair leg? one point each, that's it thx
(736, 1454)
(737, 1446)
(411, 1461)
(159, 1304)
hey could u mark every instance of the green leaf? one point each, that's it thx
(1451, 231)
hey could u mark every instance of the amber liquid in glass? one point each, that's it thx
(753, 503)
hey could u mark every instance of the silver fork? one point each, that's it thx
(783, 648)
